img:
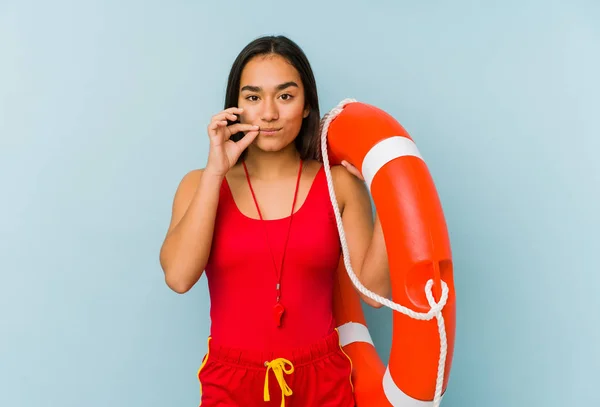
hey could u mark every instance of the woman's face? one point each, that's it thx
(272, 96)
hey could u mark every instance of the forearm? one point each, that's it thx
(187, 247)
(374, 273)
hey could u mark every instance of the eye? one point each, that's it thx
(286, 96)
(252, 98)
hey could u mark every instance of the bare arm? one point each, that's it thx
(187, 245)
(186, 248)
(364, 236)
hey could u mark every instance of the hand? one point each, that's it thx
(353, 170)
(224, 153)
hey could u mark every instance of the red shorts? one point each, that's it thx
(315, 376)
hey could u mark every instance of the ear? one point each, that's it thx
(306, 112)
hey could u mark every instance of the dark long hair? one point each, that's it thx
(307, 142)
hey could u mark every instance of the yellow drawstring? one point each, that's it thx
(279, 368)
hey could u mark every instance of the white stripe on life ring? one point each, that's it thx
(351, 332)
(385, 151)
(397, 397)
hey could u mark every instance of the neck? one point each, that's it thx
(272, 165)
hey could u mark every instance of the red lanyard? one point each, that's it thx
(278, 309)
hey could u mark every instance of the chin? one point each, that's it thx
(270, 144)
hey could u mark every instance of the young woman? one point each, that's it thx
(258, 219)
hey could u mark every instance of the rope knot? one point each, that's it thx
(436, 307)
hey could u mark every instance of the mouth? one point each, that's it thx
(269, 131)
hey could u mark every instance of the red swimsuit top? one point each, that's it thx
(242, 279)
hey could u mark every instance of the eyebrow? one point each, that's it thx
(257, 89)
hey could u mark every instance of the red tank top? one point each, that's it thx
(242, 280)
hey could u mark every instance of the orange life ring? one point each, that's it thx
(419, 256)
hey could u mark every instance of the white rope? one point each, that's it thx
(436, 307)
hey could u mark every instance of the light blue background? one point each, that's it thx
(103, 108)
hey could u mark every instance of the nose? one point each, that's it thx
(270, 112)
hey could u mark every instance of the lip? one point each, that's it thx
(269, 131)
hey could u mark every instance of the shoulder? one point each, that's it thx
(190, 181)
(187, 187)
(342, 178)
(348, 187)
(184, 195)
